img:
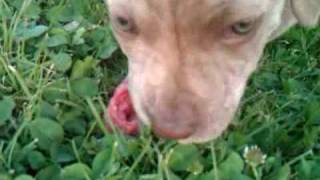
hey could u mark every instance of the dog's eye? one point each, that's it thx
(123, 24)
(243, 27)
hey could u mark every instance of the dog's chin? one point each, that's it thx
(203, 134)
(206, 133)
(194, 140)
(198, 137)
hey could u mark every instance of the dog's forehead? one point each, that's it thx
(195, 7)
(165, 4)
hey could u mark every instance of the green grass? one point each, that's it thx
(51, 125)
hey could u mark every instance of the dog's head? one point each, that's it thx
(189, 60)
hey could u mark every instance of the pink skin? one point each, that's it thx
(121, 112)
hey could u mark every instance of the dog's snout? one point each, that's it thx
(172, 118)
(171, 130)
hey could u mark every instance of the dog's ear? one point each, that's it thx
(307, 12)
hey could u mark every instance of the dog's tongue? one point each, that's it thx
(121, 111)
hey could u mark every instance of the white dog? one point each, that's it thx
(189, 60)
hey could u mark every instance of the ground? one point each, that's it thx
(59, 64)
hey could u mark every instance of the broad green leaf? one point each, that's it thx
(77, 38)
(4, 176)
(24, 177)
(80, 6)
(106, 50)
(150, 177)
(17, 3)
(31, 32)
(98, 34)
(292, 86)
(183, 157)
(239, 176)
(133, 147)
(6, 107)
(83, 68)
(60, 13)
(312, 112)
(32, 11)
(304, 169)
(108, 45)
(62, 61)
(76, 126)
(232, 166)
(196, 167)
(57, 40)
(72, 26)
(206, 176)
(84, 87)
(123, 149)
(49, 173)
(281, 174)
(47, 131)
(211, 176)
(62, 153)
(5, 11)
(316, 170)
(36, 160)
(102, 163)
(57, 90)
(46, 110)
(173, 176)
(76, 171)
(74, 122)
(237, 138)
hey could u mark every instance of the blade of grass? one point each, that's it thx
(21, 82)
(138, 159)
(96, 116)
(214, 161)
(76, 153)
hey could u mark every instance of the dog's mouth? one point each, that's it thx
(184, 127)
(121, 112)
(124, 117)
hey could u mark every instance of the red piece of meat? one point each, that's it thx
(121, 112)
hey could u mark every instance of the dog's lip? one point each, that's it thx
(171, 134)
(121, 112)
(182, 138)
(164, 130)
(146, 121)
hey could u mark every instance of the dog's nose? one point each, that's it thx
(171, 130)
(173, 123)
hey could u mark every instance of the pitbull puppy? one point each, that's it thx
(189, 60)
